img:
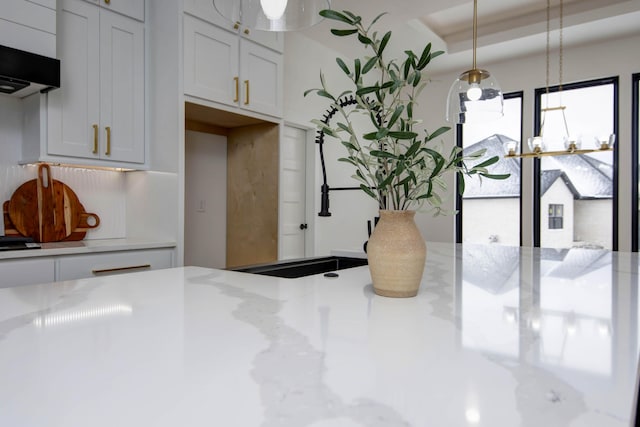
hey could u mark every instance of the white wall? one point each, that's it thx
(205, 215)
(304, 59)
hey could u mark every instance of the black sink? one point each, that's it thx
(303, 267)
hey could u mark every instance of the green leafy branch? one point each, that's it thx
(392, 164)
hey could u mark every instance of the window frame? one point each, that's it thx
(459, 143)
(537, 168)
(553, 216)
(635, 152)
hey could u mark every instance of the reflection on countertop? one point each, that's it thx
(497, 336)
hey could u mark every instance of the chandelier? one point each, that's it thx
(572, 145)
(272, 15)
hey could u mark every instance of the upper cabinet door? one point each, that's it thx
(205, 10)
(75, 107)
(131, 8)
(210, 62)
(121, 88)
(261, 74)
(97, 115)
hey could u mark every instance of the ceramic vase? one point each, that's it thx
(396, 253)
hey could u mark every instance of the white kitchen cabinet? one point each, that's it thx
(26, 271)
(131, 8)
(205, 10)
(94, 265)
(29, 25)
(223, 67)
(45, 269)
(97, 115)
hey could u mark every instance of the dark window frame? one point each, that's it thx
(635, 124)
(536, 161)
(459, 141)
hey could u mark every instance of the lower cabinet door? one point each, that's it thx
(17, 272)
(95, 265)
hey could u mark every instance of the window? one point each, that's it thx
(555, 217)
(585, 184)
(477, 221)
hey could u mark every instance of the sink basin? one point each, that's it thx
(303, 267)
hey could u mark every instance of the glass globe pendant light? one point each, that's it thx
(476, 95)
(272, 15)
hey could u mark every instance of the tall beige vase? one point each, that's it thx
(396, 253)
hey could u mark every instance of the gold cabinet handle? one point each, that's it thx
(95, 139)
(236, 80)
(247, 31)
(108, 150)
(236, 25)
(113, 270)
(246, 98)
(107, 1)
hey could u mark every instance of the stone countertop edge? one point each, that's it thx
(87, 247)
(350, 253)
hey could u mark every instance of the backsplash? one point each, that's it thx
(100, 191)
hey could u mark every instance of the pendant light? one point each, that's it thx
(272, 15)
(475, 96)
(572, 145)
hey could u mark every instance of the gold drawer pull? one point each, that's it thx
(113, 270)
(108, 151)
(107, 1)
(236, 80)
(246, 85)
(95, 139)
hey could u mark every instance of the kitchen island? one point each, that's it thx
(497, 336)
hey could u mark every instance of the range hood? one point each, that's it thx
(23, 73)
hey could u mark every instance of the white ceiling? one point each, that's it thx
(506, 28)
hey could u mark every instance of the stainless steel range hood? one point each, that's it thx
(23, 73)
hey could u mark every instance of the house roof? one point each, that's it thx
(586, 177)
(476, 187)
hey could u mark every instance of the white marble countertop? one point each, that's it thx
(497, 336)
(87, 246)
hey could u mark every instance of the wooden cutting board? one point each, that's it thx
(48, 210)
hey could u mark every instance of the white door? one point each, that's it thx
(292, 193)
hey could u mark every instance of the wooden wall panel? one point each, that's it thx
(252, 195)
